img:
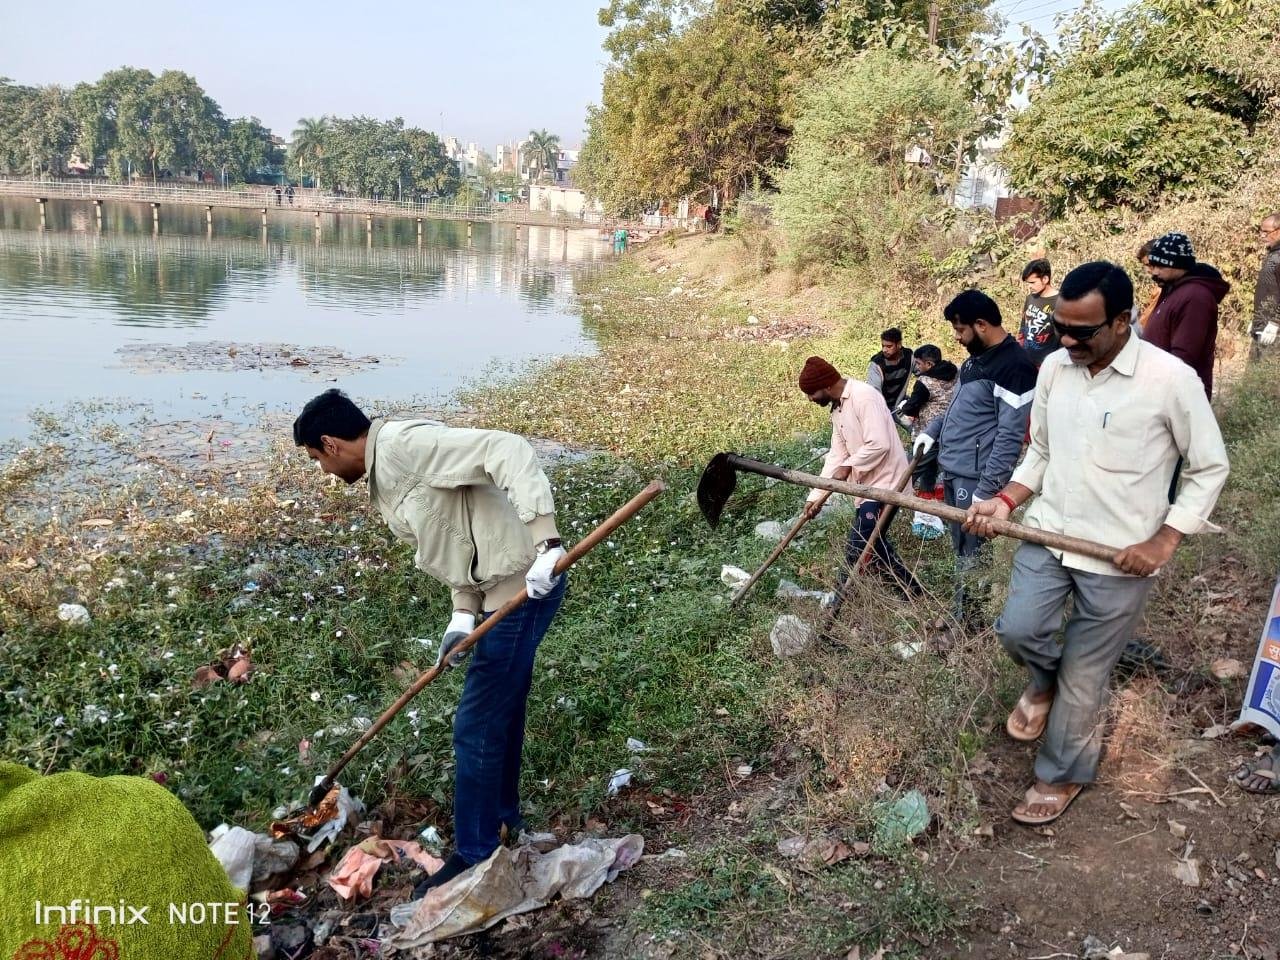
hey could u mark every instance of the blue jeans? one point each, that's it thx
(488, 728)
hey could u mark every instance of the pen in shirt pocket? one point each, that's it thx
(1105, 417)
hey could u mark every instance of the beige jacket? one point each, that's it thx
(472, 502)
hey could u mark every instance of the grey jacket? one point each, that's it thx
(980, 433)
(1266, 297)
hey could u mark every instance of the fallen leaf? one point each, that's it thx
(1177, 829)
(1129, 811)
(1227, 668)
(1188, 871)
(1214, 732)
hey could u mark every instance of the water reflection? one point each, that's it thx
(446, 303)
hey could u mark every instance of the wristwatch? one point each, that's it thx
(548, 544)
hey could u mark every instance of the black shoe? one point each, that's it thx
(452, 867)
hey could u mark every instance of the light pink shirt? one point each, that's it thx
(864, 438)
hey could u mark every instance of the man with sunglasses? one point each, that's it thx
(1111, 417)
(1266, 296)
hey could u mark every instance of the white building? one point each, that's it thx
(557, 198)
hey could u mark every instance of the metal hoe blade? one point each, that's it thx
(716, 486)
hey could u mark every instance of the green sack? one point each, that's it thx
(119, 850)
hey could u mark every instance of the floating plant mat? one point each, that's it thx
(225, 356)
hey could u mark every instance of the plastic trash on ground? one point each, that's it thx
(908, 650)
(770, 530)
(324, 823)
(73, 613)
(620, 779)
(903, 820)
(732, 576)
(787, 590)
(250, 857)
(353, 876)
(512, 882)
(790, 636)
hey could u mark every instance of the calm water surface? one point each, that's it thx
(437, 312)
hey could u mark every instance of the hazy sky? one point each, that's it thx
(492, 70)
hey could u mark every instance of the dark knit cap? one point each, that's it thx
(1173, 250)
(817, 374)
(970, 307)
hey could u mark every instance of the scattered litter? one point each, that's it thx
(671, 853)
(431, 837)
(787, 590)
(1093, 949)
(904, 819)
(770, 530)
(73, 613)
(325, 822)
(1227, 668)
(732, 576)
(790, 636)
(512, 882)
(1188, 871)
(753, 320)
(1179, 830)
(233, 665)
(250, 857)
(1214, 732)
(637, 746)
(227, 357)
(908, 650)
(745, 770)
(353, 877)
(233, 848)
(620, 779)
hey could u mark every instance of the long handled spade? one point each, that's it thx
(721, 477)
(624, 513)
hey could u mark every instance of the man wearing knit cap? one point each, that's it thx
(864, 449)
(1185, 319)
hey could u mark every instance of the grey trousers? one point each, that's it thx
(1104, 613)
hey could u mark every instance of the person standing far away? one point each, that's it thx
(478, 510)
(865, 449)
(288, 192)
(1266, 296)
(979, 436)
(1035, 332)
(1112, 416)
(1185, 320)
(890, 368)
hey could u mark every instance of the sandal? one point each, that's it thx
(1060, 798)
(1036, 715)
(1247, 771)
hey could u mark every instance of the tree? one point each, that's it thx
(428, 171)
(170, 124)
(97, 108)
(248, 147)
(543, 150)
(869, 136)
(307, 149)
(699, 112)
(1130, 139)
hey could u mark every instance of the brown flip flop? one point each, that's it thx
(1060, 797)
(1033, 712)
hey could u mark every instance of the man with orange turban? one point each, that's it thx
(865, 449)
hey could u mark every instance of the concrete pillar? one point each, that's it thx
(208, 214)
(42, 201)
(368, 223)
(97, 211)
(264, 216)
(419, 228)
(155, 217)
(469, 226)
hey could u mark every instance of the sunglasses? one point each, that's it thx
(1078, 334)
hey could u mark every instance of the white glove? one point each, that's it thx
(542, 577)
(1268, 335)
(922, 444)
(461, 624)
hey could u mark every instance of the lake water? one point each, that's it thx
(76, 300)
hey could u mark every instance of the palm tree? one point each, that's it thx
(543, 149)
(308, 144)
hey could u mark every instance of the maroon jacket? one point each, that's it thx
(1185, 320)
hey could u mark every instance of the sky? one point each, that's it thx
(481, 71)
(493, 70)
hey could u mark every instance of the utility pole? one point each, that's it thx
(933, 24)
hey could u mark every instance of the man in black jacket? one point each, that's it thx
(1266, 296)
(890, 368)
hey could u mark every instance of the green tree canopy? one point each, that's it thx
(307, 149)
(1130, 139)
(696, 112)
(863, 172)
(248, 147)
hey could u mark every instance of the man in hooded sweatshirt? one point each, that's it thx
(1185, 319)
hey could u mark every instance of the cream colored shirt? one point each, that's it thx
(864, 438)
(1104, 449)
